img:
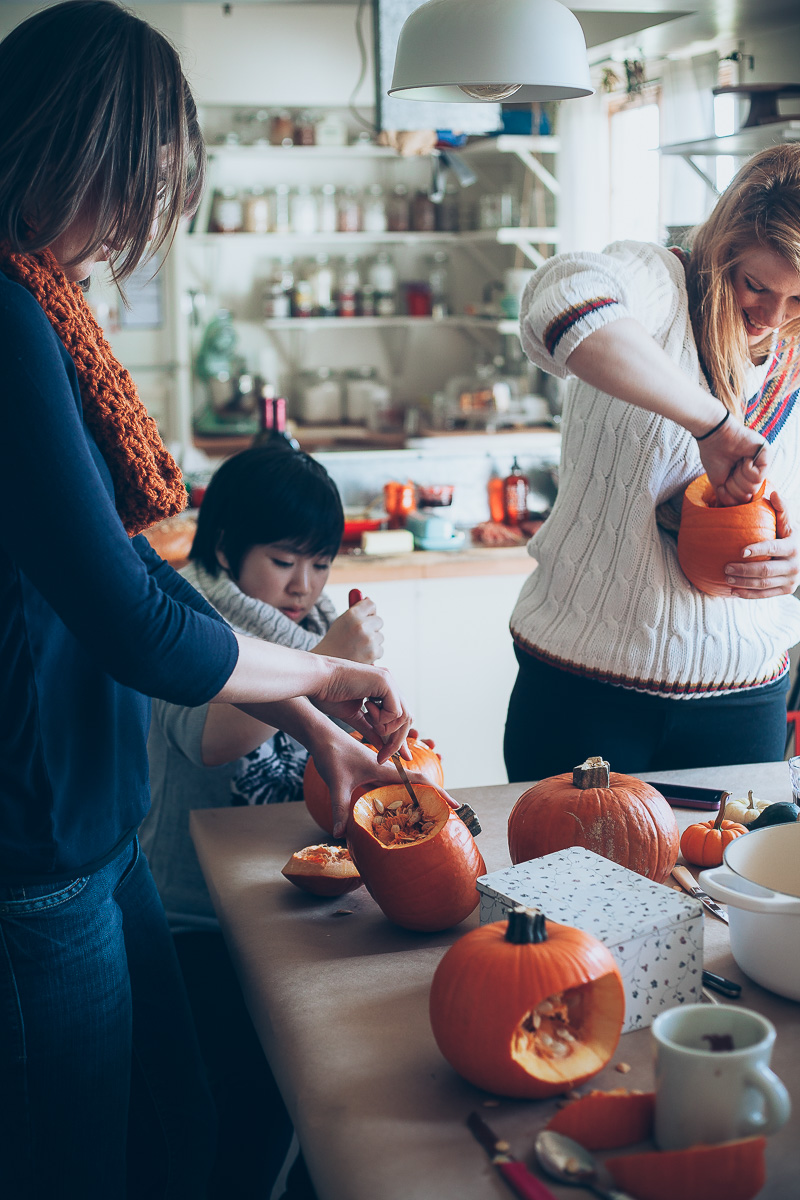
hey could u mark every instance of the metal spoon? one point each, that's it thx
(565, 1159)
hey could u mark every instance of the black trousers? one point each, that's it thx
(556, 720)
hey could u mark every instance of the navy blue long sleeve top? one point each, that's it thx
(92, 624)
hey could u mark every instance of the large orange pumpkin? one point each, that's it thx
(617, 816)
(427, 884)
(710, 536)
(527, 1008)
(424, 760)
(703, 844)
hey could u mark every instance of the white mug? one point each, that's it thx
(708, 1096)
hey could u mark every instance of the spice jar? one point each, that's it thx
(423, 213)
(281, 213)
(281, 129)
(226, 212)
(327, 211)
(398, 210)
(349, 285)
(349, 210)
(304, 133)
(383, 277)
(256, 211)
(303, 209)
(373, 210)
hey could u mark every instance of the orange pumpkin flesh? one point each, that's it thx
(499, 1007)
(424, 760)
(427, 884)
(728, 1171)
(607, 1120)
(323, 871)
(711, 536)
(703, 844)
(624, 819)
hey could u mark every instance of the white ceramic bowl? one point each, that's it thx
(760, 882)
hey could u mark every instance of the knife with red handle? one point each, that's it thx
(355, 597)
(517, 1176)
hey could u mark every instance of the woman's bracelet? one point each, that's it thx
(703, 436)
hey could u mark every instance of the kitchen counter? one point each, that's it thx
(339, 998)
(432, 564)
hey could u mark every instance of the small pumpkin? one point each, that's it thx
(744, 812)
(783, 813)
(727, 1171)
(424, 760)
(423, 875)
(617, 816)
(711, 536)
(527, 1008)
(703, 843)
(323, 871)
(607, 1120)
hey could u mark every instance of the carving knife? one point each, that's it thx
(689, 884)
(515, 1174)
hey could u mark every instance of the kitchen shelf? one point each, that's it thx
(738, 145)
(506, 236)
(397, 322)
(358, 150)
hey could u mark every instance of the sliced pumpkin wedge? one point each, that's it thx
(728, 1171)
(607, 1120)
(323, 870)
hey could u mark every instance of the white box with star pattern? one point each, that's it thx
(654, 932)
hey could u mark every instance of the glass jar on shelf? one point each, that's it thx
(398, 210)
(497, 210)
(327, 210)
(366, 299)
(227, 212)
(423, 213)
(349, 286)
(281, 217)
(303, 210)
(323, 284)
(349, 207)
(447, 213)
(319, 397)
(304, 133)
(303, 291)
(256, 211)
(330, 130)
(383, 277)
(373, 210)
(438, 282)
(278, 291)
(281, 128)
(366, 397)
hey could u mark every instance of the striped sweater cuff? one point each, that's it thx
(560, 326)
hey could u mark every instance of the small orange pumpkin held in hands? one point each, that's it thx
(424, 760)
(703, 844)
(617, 816)
(323, 871)
(527, 1008)
(419, 861)
(711, 536)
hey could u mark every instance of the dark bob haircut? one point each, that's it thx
(97, 124)
(265, 496)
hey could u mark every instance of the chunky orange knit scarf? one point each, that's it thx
(147, 481)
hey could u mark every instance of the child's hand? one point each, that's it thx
(355, 635)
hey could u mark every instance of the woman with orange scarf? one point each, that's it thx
(100, 156)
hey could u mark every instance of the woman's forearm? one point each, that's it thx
(267, 673)
(623, 360)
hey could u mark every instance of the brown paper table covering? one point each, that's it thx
(340, 1003)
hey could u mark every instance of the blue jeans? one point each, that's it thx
(102, 1090)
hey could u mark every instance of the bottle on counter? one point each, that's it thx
(272, 421)
(515, 495)
(495, 489)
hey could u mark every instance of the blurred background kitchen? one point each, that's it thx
(362, 259)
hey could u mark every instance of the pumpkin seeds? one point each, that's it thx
(379, 805)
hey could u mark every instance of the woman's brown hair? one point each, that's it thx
(760, 207)
(97, 123)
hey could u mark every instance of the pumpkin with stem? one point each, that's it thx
(419, 863)
(424, 760)
(711, 535)
(616, 816)
(703, 844)
(527, 1008)
(323, 871)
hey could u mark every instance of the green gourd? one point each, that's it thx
(776, 814)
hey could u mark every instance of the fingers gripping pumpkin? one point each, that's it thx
(527, 1008)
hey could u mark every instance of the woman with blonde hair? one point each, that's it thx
(102, 1091)
(678, 364)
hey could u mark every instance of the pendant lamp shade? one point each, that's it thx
(478, 50)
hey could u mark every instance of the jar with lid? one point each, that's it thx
(327, 211)
(383, 277)
(423, 213)
(439, 285)
(303, 292)
(281, 128)
(330, 130)
(366, 397)
(227, 214)
(349, 286)
(349, 207)
(281, 218)
(497, 210)
(373, 210)
(278, 291)
(319, 397)
(323, 282)
(303, 208)
(256, 211)
(304, 133)
(398, 210)
(447, 213)
(366, 299)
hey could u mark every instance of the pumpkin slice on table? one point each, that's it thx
(616, 816)
(323, 870)
(419, 861)
(527, 1008)
(607, 1120)
(728, 1171)
(703, 844)
(424, 760)
(712, 535)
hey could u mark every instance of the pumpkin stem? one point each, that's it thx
(720, 815)
(750, 806)
(525, 926)
(594, 772)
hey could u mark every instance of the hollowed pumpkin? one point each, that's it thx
(323, 871)
(318, 798)
(617, 816)
(426, 883)
(711, 536)
(527, 1008)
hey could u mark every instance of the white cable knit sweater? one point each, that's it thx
(608, 598)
